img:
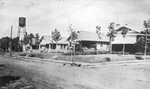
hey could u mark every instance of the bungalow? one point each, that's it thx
(90, 40)
(129, 40)
(47, 44)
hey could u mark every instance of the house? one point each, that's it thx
(129, 40)
(47, 44)
(91, 40)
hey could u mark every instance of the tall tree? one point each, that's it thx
(111, 35)
(124, 32)
(56, 36)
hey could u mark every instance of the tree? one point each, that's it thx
(15, 44)
(139, 45)
(146, 26)
(56, 36)
(98, 31)
(111, 35)
(124, 32)
(25, 41)
(5, 43)
(37, 40)
(73, 36)
(30, 38)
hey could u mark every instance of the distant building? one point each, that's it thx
(91, 40)
(47, 44)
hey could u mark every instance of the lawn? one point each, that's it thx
(87, 58)
(96, 58)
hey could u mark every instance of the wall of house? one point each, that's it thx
(129, 39)
(53, 48)
(58, 47)
(103, 46)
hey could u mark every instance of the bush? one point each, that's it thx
(78, 47)
(103, 52)
(80, 53)
(120, 52)
(106, 59)
(138, 57)
(22, 54)
(36, 55)
(138, 53)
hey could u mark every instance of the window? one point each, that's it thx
(61, 46)
(64, 46)
(101, 44)
(53, 46)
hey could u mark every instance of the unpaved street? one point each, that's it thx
(47, 75)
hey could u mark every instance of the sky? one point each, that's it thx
(44, 16)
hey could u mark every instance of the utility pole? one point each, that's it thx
(11, 41)
(145, 45)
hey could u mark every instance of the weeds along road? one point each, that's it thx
(48, 75)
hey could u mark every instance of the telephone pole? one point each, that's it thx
(11, 41)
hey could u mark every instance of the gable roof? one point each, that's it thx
(131, 31)
(48, 39)
(91, 36)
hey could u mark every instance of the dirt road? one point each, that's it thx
(47, 75)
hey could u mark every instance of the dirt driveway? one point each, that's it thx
(47, 75)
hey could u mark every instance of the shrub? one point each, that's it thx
(138, 53)
(138, 57)
(78, 47)
(107, 59)
(120, 52)
(22, 54)
(103, 52)
(36, 55)
(80, 53)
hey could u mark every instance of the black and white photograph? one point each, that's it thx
(74, 44)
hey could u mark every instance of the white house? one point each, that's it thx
(91, 40)
(47, 44)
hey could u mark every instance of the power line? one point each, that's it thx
(65, 14)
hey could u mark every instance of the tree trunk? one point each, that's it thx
(123, 48)
(74, 48)
(110, 46)
(56, 47)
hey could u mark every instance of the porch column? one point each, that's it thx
(39, 46)
(49, 49)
